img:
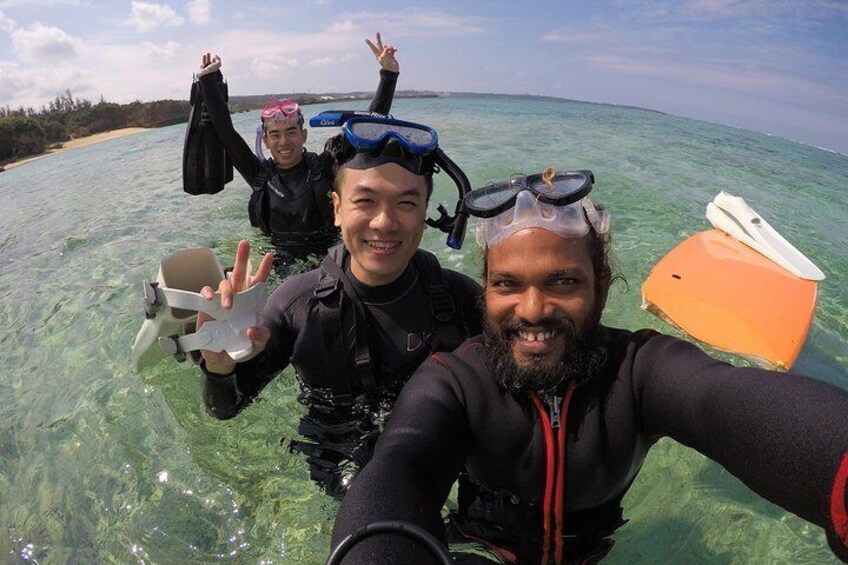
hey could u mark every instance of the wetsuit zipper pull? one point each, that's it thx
(554, 403)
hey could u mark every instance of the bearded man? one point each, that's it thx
(548, 416)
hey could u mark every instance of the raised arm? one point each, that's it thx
(389, 69)
(214, 97)
(783, 435)
(417, 459)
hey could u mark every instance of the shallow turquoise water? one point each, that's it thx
(100, 464)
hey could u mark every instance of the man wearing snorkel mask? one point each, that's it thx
(547, 417)
(290, 199)
(358, 326)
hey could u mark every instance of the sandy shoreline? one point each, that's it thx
(76, 143)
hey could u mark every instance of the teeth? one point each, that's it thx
(536, 336)
(382, 244)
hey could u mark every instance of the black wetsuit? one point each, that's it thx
(345, 415)
(785, 436)
(291, 205)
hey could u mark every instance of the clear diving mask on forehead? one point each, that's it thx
(557, 202)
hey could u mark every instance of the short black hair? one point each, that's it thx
(342, 151)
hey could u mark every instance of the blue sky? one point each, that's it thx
(774, 66)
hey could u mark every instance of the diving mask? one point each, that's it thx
(370, 140)
(372, 132)
(557, 202)
(282, 111)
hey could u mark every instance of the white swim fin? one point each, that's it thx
(172, 303)
(732, 215)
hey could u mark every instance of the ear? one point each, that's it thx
(337, 203)
(305, 133)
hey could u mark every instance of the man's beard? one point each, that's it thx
(583, 358)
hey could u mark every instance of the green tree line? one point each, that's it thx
(26, 131)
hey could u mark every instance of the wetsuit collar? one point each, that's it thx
(385, 293)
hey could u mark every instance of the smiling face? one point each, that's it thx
(381, 213)
(541, 297)
(285, 140)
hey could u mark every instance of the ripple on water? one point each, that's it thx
(84, 441)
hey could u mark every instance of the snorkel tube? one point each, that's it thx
(453, 225)
(337, 118)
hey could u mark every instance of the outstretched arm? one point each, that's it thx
(214, 98)
(417, 459)
(783, 435)
(389, 69)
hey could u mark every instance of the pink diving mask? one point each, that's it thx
(281, 111)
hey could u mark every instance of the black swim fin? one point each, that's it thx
(206, 166)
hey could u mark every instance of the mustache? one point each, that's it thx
(511, 328)
(583, 359)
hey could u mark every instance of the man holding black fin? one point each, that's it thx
(290, 201)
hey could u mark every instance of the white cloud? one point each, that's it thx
(321, 61)
(146, 17)
(199, 12)
(570, 35)
(27, 83)
(162, 51)
(266, 66)
(41, 42)
(42, 3)
(12, 78)
(346, 26)
(7, 24)
(815, 9)
(750, 79)
(420, 23)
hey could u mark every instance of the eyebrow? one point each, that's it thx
(368, 190)
(556, 273)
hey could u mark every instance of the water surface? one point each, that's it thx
(101, 464)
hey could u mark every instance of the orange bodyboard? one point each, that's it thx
(725, 294)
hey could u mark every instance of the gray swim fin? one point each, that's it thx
(206, 166)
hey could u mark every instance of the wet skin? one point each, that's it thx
(285, 140)
(381, 212)
(530, 301)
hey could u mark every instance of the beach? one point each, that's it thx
(76, 143)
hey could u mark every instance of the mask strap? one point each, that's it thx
(599, 219)
(260, 133)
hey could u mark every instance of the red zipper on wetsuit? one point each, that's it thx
(554, 493)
